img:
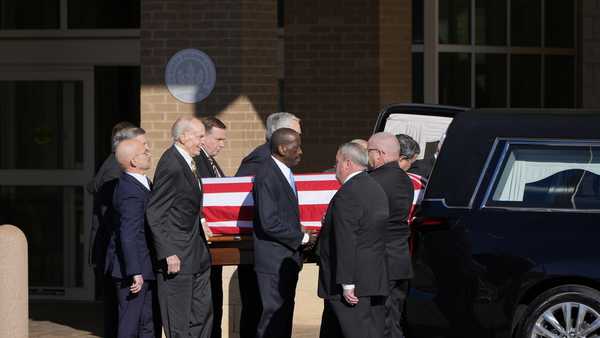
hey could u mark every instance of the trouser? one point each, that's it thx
(110, 303)
(394, 309)
(251, 302)
(277, 292)
(363, 320)
(216, 290)
(186, 304)
(135, 309)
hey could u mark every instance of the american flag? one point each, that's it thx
(229, 206)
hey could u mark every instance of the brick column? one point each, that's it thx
(590, 54)
(240, 36)
(344, 60)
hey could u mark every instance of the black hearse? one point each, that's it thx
(507, 242)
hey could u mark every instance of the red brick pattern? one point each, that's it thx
(241, 38)
(344, 60)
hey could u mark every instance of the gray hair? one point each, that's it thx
(355, 153)
(408, 146)
(279, 120)
(181, 125)
(126, 134)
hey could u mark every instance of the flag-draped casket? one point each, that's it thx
(229, 206)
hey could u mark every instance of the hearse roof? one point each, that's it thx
(471, 134)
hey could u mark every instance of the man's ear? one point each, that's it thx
(281, 149)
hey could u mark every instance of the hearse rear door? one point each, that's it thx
(427, 124)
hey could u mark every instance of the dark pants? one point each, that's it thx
(394, 309)
(251, 303)
(186, 304)
(135, 309)
(363, 320)
(216, 288)
(277, 292)
(110, 303)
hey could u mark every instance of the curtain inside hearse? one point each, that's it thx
(558, 169)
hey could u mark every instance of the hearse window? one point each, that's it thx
(425, 129)
(552, 177)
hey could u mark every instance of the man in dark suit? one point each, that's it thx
(352, 279)
(207, 166)
(173, 214)
(251, 303)
(384, 152)
(128, 258)
(278, 235)
(102, 187)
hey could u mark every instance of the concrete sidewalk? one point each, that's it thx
(57, 319)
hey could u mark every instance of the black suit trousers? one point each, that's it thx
(216, 290)
(186, 304)
(363, 320)
(394, 309)
(110, 303)
(136, 312)
(277, 292)
(251, 303)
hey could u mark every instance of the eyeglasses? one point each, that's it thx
(377, 150)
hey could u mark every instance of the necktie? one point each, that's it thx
(149, 183)
(293, 183)
(193, 167)
(214, 167)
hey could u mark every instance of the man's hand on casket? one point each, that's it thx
(312, 242)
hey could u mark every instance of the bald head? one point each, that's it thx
(132, 156)
(383, 148)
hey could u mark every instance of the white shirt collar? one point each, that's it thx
(285, 170)
(352, 175)
(185, 155)
(141, 178)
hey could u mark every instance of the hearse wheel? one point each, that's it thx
(569, 311)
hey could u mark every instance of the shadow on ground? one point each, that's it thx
(55, 318)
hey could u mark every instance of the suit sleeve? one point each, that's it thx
(161, 200)
(131, 220)
(248, 167)
(347, 213)
(266, 205)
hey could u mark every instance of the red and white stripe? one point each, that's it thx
(229, 206)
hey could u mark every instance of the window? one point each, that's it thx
(43, 133)
(506, 53)
(44, 214)
(29, 14)
(104, 14)
(549, 177)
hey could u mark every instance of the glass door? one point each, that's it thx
(46, 161)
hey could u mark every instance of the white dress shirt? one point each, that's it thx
(287, 173)
(188, 158)
(143, 179)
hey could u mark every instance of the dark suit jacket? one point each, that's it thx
(129, 251)
(277, 230)
(400, 193)
(174, 212)
(102, 187)
(422, 167)
(203, 167)
(352, 243)
(254, 160)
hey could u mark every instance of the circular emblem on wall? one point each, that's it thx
(190, 75)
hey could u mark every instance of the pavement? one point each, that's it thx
(59, 319)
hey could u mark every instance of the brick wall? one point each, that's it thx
(590, 54)
(344, 60)
(240, 36)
